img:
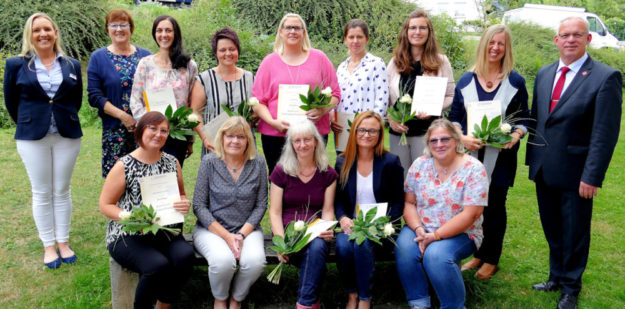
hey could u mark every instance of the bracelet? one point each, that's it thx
(242, 235)
(420, 226)
(436, 236)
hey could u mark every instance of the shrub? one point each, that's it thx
(5, 119)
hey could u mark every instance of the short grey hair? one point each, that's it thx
(288, 159)
(451, 129)
(574, 18)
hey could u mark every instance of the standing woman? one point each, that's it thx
(224, 84)
(417, 53)
(492, 78)
(229, 201)
(302, 184)
(43, 93)
(368, 174)
(110, 74)
(169, 67)
(294, 62)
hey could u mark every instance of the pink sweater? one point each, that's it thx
(273, 71)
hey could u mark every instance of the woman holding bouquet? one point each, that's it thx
(224, 84)
(417, 53)
(302, 185)
(446, 191)
(293, 62)
(492, 78)
(368, 174)
(171, 68)
(229, 201)
(164, 260)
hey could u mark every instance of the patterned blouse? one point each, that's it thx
(366, 88)
(438, 202)
(133, 170)
(151, 76)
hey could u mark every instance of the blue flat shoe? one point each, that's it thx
(54, 264)
(69, 260)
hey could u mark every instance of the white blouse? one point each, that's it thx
(366, 88)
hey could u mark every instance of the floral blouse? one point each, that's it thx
(151, 76)
(437, 202)
(366, 88)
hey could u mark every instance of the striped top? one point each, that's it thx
(219, 91)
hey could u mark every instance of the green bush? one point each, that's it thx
(611, 57)
(5, 119)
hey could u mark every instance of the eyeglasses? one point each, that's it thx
(154, 129)
(418, 28)
(576, 35)
(119, 26)
(371, 132)
(442, 140)
(292, 28)
(305, 140)
(235, 136)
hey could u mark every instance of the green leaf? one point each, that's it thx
(485, 123)
(168, 111)
(227, 110)
(304, 99)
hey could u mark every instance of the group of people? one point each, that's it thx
(449, 187)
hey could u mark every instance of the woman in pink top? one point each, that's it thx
(293, 62)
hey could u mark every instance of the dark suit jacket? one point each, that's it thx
(29, 105)
(388, 186)
(576, 140)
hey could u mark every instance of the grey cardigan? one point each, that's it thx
(219, 198)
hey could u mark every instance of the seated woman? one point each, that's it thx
(302, 184)
(368, 174)
(446, 191)
(164, 260)
(229, 201)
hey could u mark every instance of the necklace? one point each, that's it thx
(291, 75)
(309, 174)
(235, 169)
(48, 64)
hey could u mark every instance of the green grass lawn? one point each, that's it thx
(26, 283)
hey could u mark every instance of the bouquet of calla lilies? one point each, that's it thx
(316, 98)
(142, 219)
(181, 121)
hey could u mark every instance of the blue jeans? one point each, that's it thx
(355, 264)
(438, 262)
(312, 263)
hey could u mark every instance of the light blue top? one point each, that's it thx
(50, 82)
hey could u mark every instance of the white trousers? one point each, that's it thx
(222, 265)
(49, 164)
(407, 153)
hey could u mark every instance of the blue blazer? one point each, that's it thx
(31, 108)
(388, 186)
(575, 142)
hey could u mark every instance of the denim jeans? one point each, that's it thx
(312, 263)
(355, 264)
(438, 262)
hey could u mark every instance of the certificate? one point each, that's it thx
(161, 191)
(159, 99)
(210, 129)
(316, 227)
(477, 110)
(380, 211)
(429, 94)
(341, 140)
(289, 102)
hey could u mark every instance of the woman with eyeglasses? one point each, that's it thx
(417, 54)
(110, 75)
(302, 185)
(368, 174)
(293, 62)
(492, 78)
(171, 68)
(446, 191)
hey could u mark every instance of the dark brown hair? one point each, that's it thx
(356, 23)
(225, 33)
(150, 118)
(119, 14)
(430, 59)
(176, 53)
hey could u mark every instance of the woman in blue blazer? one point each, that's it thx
(110, 76)
(43, 93)
(368, 174)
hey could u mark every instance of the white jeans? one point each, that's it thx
(407, 153)
(49, 163)
(222, 264)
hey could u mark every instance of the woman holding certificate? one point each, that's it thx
(111, 71)
(368, 175)
(164, 260)
(303, 184)
(224, 84)
(292, 69)
(43, 93)
(417, 54)
(229, 201)
(170, 72)
(446, 191)
(493, 79)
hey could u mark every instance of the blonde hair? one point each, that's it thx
(28, 49)
(234, 124)
(278, 45)
(481, 56)
(451, 129)
(431, 60)
(288, 159)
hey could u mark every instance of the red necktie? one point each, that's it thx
(557, 91)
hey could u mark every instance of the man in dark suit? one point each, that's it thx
(577, 108)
